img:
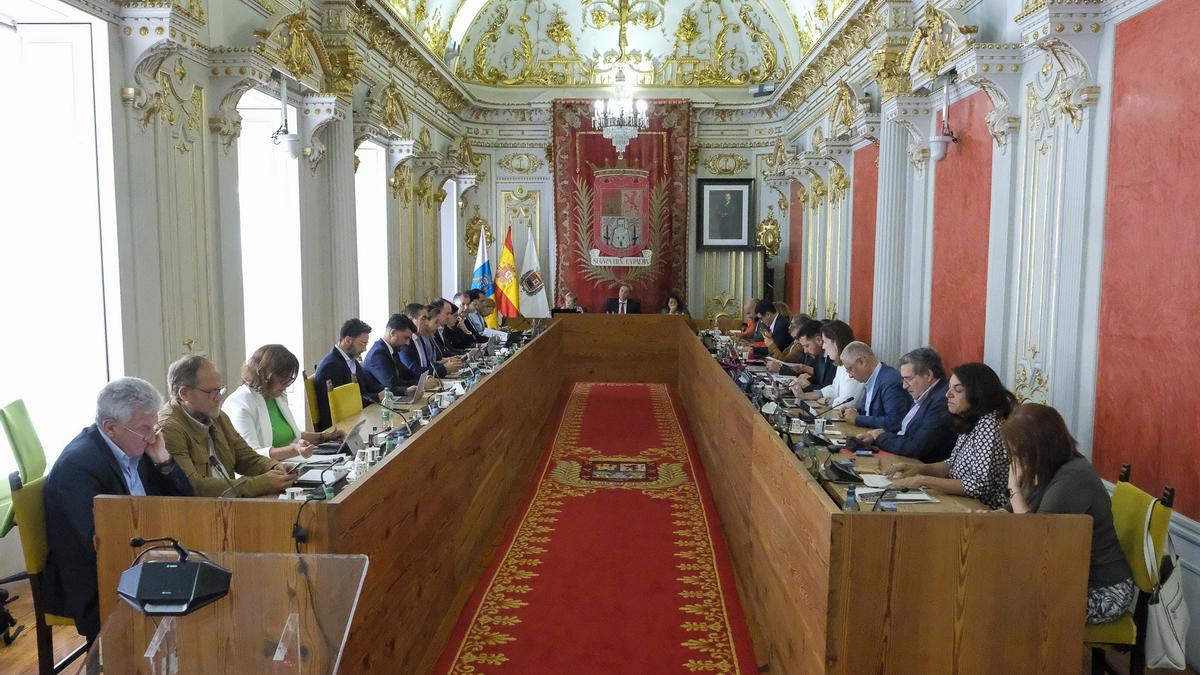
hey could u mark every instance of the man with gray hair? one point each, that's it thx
(883, 403)
(926, 432)
(199, 435)
(123, 453)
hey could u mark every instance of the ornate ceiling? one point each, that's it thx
(677, 44)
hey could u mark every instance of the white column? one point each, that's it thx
(339, 169)
(890, 215)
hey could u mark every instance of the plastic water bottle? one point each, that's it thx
(389, 445)
(385, 415)
(851, 500)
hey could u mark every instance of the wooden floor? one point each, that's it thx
(21, 655)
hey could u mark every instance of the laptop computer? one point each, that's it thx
(349, 445)
(417, 393)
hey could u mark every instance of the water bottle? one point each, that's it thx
(851, 500)
(385, 415)
(373, 439)
(389, 445)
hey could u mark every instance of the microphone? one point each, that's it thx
(138, 542)
(832, 408)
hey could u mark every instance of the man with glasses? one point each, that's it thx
(123, 453)
(884, 401)
(925, 432)
(214, 457)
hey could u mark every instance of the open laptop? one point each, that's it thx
(349, 445)
(417, 393)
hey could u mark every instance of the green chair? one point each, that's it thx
(30, 508)
(26, 446)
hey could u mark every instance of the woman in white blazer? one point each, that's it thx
(259, 408)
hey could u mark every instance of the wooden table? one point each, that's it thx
(823, 590)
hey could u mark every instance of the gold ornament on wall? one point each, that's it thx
(401, 183)
(769, 236)
(726, 164)
(477, 227)
(424, 140)
(1030, 383)
(394, 111)
(521, 162)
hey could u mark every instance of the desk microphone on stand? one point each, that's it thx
(171, 587)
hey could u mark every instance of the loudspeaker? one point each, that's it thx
(173, 588)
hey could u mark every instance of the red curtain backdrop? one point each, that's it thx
(1146, 395)
(862, 245)
(662, 150)
(793, 268)
(962, 205)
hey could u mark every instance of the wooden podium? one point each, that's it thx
(824, 591)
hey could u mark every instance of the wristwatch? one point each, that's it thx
(160, 466)
(1012, 491)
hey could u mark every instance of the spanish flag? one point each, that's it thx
(508, 290)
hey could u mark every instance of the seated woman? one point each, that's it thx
(259, 409)
(570, 304)
(834, 335)
(978, 464)
(674, 305)
(1048, 474)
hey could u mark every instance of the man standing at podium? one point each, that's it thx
(623, 304)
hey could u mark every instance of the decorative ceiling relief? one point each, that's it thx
(521, 162)
(708, 43)
(726, 164)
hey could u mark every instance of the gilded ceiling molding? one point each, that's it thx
(521, 163)
(726, 164)
(380, 36)
(854, 38)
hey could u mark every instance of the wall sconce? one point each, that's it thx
(939, 144)
(289, 141)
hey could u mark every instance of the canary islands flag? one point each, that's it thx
(508, 290)
(482, 277)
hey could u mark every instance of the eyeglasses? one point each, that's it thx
(214, 393)
(148, 440)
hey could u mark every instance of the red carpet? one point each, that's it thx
(616, 564)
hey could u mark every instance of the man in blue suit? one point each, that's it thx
(884, 401)
(123, 453)
(421, 354)
(774, 324)
(925, 432)
(383, 360)
(340, 366)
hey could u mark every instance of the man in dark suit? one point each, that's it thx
(340, 366)
(383, 360)
(774, 325)
(468, 315)
(421, 354)
(884, 401)
(123, 453)
(925, 432)
(816, 369)
(441, 314)
(623, 304)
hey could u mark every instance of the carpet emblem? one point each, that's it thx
(635, 473)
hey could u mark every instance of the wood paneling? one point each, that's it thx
(631, 348)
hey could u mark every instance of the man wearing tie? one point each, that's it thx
(421, 356)
(383, 360)
(623, 304)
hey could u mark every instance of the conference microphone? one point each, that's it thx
(138, 542)
(832, 408)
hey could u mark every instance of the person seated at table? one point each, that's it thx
(775, 327)
(122, 453)
(834, 336)
(570, 304)
(441, 312)
(340, 367)
(471, 322)
(925, 432)
(751, 329)
(383, 359)
(623, 304)
(795, 352)
(884, 402)
(204, 443)
(674, 305)
(978, 463)
(259, 409)
(814, 369)
(487, 307)
(421, 355)
(1048, 474)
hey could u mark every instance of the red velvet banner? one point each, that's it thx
(621, 223)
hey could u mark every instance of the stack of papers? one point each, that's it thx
(910, 495)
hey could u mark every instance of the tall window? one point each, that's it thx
(450, 283)
(269, 201)
(370, 205)
(58, 250)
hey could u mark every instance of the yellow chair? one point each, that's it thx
(30, 513)
(310, 394)
(345, 402)
(1127, 633)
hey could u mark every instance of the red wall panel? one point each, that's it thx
(961, 215)
(792, 269)
(1147, 401)
(862, 245)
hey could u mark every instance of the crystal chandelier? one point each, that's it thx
(620, 118)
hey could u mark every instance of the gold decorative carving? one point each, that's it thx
(394, 111)
(930, 33)
(769, 237)
(521, 209)
(726, 164)
(465, 155)
(439, 196)
(477, 227)
(1030, 383)
(856, 35)
(424, 140)
(346, 67)
(379, 36)
(839, 183)
(886, 70)
(292, 39)
(521, 162)
(844, 111)
(423, 192)
(693, 162)
(721, 305)
(401, 183)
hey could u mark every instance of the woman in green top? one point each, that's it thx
(1047, 474)
(259, 408)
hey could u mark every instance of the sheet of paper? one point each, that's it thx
(874, 480)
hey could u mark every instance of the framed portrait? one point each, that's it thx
(725, 213)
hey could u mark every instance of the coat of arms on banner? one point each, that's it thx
(621, 220)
